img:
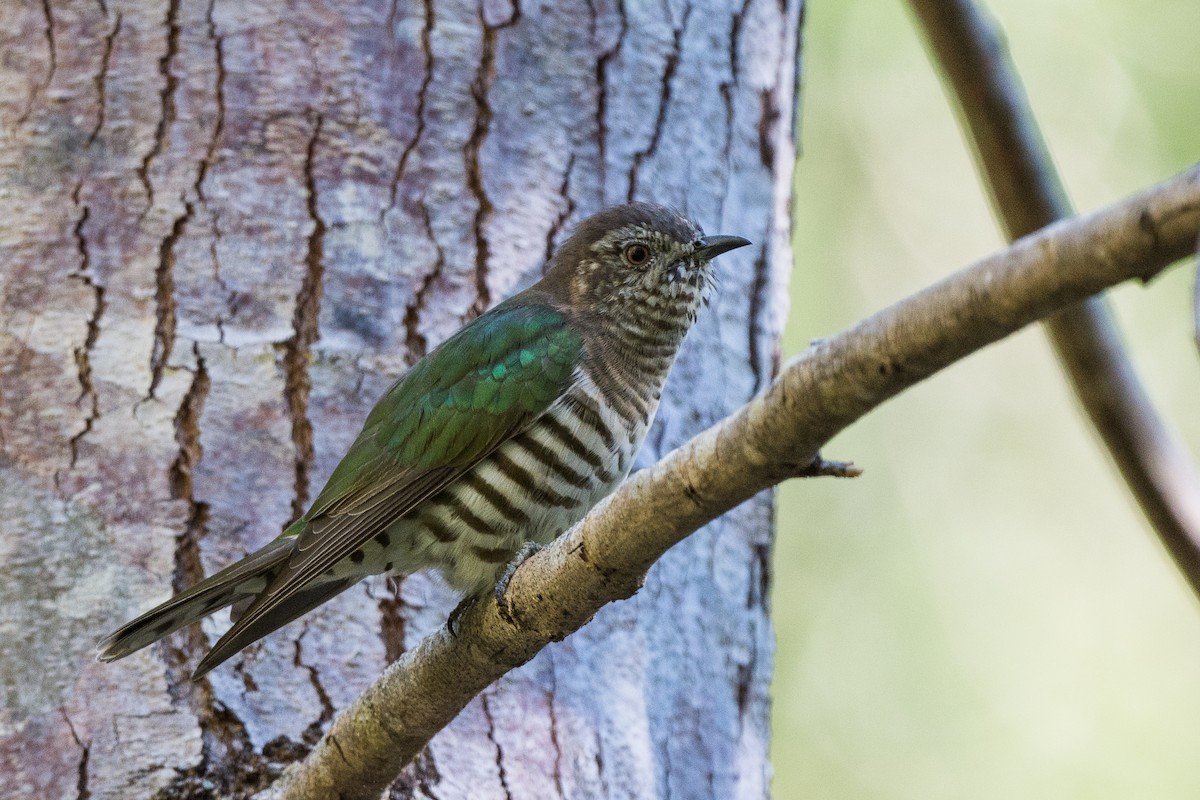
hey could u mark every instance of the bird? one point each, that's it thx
(504, 435)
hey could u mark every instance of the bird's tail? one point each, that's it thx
(237, 582)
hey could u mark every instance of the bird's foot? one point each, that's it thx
(456, 615)
(502, 603)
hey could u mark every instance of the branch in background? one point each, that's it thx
(1027, 195)
(1196, 301)
(775, 436)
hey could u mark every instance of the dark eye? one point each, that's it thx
(636, 254)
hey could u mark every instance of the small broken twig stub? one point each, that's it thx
(820, 468)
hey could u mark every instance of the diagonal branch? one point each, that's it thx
(775, 436)
(1027, 195)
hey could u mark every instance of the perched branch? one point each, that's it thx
(775, 436)
(1027, 195)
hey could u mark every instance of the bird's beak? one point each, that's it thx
(713, 246)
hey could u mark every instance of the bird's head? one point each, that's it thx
(639, 258)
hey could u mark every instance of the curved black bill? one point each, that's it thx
(713, 246)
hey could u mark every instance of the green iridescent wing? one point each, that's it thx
(457, 404)
(478, 389)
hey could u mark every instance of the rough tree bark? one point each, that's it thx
(224, 229)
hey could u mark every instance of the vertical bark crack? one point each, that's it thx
(314, 731)
(391, 621)
(81, 784)
(187, 646)
(556, 226)
(209, 160)
(229, 765)
(491, 734)
(164, 299)
(52, 52)
(305, 324)
(663, 745)
(760, 589)
(745, 676)
(600, 764)
(188, 569)
(83, 355)
(602, 61)
(664, 101)
(768, 120)
(758, 287)
(48, 14)
(735, 33)
(166, 101)
(726, 89)
(426, 80)
(102, 78)
(551, 693)
(414, 339)
(480, 88)
(393, 12)
(230, 298)
(210, 152)
(768, 124)
(166, 312)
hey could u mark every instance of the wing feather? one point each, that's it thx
(484, 385)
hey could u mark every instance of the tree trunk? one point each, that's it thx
(226, 228)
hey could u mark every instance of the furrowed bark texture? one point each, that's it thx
(225, 228)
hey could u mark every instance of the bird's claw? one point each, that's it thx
(455, 617)
(502, 603)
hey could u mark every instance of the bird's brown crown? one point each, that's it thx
(631, 257)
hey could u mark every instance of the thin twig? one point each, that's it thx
(777, 435)
(1027, 195)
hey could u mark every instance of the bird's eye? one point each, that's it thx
(636, 254)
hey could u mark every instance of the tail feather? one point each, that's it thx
(236, 582)
(241, 635)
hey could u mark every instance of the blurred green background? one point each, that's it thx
(984, 613)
